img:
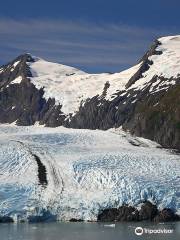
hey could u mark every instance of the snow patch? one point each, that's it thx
(70, 86)
(16, 63)
(17, 80)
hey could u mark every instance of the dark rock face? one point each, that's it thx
(124, 213)
(157, 117)
(21, 69)
(6, 219)
(145, 63)
(166, 215)
(22, 102)
(148, 212)
(75, 220)
(92, 116)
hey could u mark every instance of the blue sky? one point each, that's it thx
(96, 35)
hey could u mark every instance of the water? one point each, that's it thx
(85, 231)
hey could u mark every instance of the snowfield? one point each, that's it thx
(84, 171)
(165, 65)
(71, 87)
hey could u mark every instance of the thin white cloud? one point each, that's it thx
(87, 45)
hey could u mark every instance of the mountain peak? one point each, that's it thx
(143, 99)
(26, 57)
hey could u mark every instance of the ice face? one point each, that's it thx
(86, 171)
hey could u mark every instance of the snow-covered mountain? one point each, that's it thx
(143, 99)
(65, 174)
(70, 173)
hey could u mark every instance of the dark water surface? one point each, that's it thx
(86, 231)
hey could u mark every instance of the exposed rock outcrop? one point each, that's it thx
(148, 212)
(6, 219)
(124, 213)
(166, 215)
(21, 101)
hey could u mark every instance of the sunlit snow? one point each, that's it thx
(17, 80)
(165, 65)
(70, 86)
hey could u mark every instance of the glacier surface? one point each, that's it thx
(85, 170)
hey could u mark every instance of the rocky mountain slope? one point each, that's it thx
(143, 99)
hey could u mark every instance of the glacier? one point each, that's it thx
(84, 171)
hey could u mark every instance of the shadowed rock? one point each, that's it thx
(148, 211)
(6, 219)
(75, 220)
(124, 213)
(166, 215)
